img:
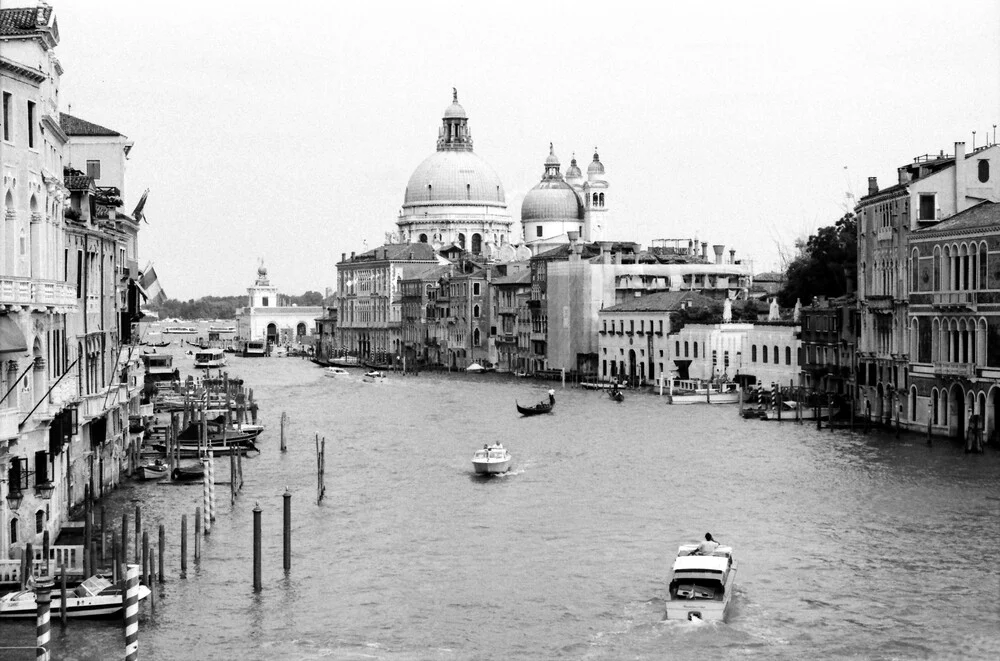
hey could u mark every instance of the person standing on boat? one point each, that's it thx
(552, 397)
(708, 546)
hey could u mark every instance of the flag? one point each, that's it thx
(151, 285)
(137, 214)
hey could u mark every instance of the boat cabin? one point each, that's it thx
(496, 451)
(208, 358)
(700, 576)
(159, 367)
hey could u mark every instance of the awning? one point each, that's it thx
(11, 337)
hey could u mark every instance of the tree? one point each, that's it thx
(826, 264)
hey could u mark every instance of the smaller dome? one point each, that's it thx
(551, 199)
(595, 167)
(455, 110)
(573, 171)
(262, 270)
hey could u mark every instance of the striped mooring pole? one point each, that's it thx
(132, 613)
(43, 602)
(211, 485)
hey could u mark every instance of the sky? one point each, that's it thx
(287, 132)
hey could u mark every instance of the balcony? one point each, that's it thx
(28, 291)
(954, 299)
(965, 370)
(8, 424)
(884, 234)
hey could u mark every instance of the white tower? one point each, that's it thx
(596, 201)
(262, 294)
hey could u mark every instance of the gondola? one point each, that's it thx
(617, 395)
(539, 408)
(187, 473)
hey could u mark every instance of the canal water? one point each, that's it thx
(851, 546)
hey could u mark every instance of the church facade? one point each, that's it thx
(265, 319)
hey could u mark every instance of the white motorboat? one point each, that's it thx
(475, 368)
(701, 586)
(254, 349)
(177, 330)
(95, 597)
(374, 376)
(335, 372)
(209, 358)
(791, 410)
(696, 391)
(492, 459)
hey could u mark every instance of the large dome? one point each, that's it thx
(552, 199)
(454, 177)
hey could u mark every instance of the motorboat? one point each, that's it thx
(475, 368)
(491, 460)
(279, 351)
(696, 391)
(616, 395)
(178, 330)
(701, 586)
(540, 407)
(209, 358)
(791, 410)
(375, 376)
(255, 349)
(335, 372)
(95, 597)
(160, 368)
(154, 471)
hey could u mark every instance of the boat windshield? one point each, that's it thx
(92, 587)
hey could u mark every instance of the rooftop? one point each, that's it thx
(664, 301)
(984, 214)
(75, 126)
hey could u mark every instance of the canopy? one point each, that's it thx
(11, 337)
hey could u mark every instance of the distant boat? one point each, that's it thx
(539, 408)
(254, 349)
(617, 395)
(336, 372)
(475, 368)
(209, 358)
(154, 471)
(491, 460)
(222, 329)
(375, 376)
(180, 329)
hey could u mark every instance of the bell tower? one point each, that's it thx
(596, 201)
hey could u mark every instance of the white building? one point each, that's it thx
(265, 319)
(454, 196)
(748, 353)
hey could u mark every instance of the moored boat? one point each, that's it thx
(791, 410)
(491, 460)
(254, 349)
(95, 597)
(209, 358)
(375, 376)
(154, 471)
(701, 586)
(335, 372)
(696, 391)
(178, 330)
(188, 473)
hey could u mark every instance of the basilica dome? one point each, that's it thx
(452, 176)
(552, 198)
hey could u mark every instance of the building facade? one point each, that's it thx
(264, 318)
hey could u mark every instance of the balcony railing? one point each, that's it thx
(967, 370)
(884, 233)
(953, 299)
(41, 292)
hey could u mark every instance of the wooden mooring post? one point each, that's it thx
(184, 545)
(257, 583)
(320, 468)
(284, 421)
(287, 530)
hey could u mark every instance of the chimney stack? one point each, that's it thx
(872, 185)
(732, 255)
(704, 249)
(343, 256)
(719, 249)
(960, 178)
(352, 254)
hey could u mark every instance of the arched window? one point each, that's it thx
(764, 353)
(423, 238)
(695, 349)
(777, 356)
(13, 531)
(913, 403)
(39, 522)
(788, 355)
(677, 348)
(984, 170)
(601, 200)
(685, 349)
(475, 337)
(300, 330)
(468, 191)
(461, 241)
(477, 244)
(937, 269)
(753, 354)
(595, 199)
(475, 311)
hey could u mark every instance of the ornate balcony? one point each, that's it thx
(954, 299)
(28, 291)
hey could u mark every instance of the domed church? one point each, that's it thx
(454, 196)
(557, 206)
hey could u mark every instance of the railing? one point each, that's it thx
(9, 419)
(884, 233)
(953, 298)
(42, 292)
(967, 370)
(10, 570)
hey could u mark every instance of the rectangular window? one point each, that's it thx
(538, 231)
(6, 116)
(264, 301)
(926, 207)
(31, 124)
(79, 273)
(94, 169)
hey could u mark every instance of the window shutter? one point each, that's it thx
(41, 467)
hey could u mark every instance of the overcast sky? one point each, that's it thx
(287, 132)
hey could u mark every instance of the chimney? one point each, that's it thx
(732, 255)
(873, 185)
(352, 254)
(719, 250)
(960, 178)
(704, 249)
(343, 256)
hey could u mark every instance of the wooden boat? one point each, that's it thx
(701, 586)
(791, 411)
(95, 597)
(219, 450)
(617, 395)
(188, 473)
(491, 460)
(540, 407)
(155, 471)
